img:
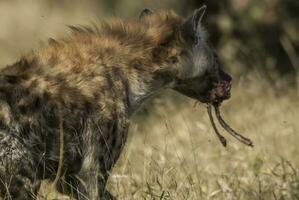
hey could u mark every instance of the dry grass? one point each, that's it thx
(172, 152)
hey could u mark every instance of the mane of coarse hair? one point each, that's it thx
(144, 40)
(154, 29)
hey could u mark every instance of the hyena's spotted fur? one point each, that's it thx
(93, 81)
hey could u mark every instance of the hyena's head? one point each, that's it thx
(198, 72)
(201, 76)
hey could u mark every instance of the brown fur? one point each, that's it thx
(94, 80)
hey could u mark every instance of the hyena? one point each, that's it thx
(87, 86)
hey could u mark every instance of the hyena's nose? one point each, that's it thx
(225, 81)
(225, 77)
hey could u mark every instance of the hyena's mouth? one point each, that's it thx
(218, 94)
(221, 92)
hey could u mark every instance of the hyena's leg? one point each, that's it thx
(112, 152)
(16, 172)
(85, 186)
(89, 183)
(106, 195)
(101, 150)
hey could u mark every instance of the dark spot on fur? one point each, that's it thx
(60, 78)
(156, 54)
(12, 79)
(109, 82)
(124, 91)
(137, 64)
(114, 142)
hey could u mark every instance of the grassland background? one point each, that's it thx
(172, 152)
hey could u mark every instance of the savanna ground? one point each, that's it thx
(172, 151)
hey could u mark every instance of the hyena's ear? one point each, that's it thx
(145, 12)
(191, 27)
(197, 17)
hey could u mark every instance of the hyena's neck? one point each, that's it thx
(143, 89)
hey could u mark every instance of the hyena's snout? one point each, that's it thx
(223, 90)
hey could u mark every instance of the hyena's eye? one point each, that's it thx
(173, 60)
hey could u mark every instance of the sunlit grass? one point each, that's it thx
(172, 152)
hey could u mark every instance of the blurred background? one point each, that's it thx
(248, 34)
(171, 151)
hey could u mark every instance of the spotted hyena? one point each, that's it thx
(87, 86)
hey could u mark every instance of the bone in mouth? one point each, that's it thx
(220, 137)
(225, 126)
